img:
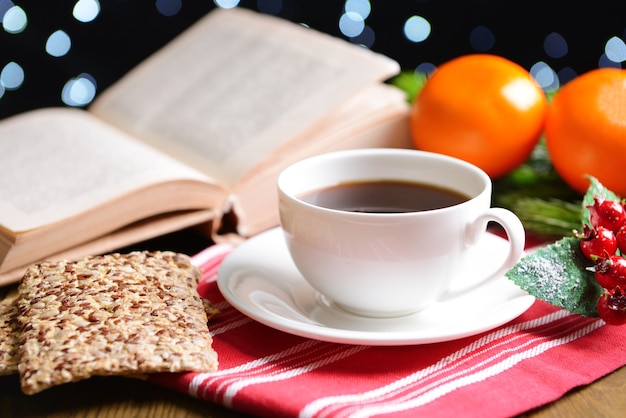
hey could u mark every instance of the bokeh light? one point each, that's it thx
(169, 7)
(566, 74)
(86, 10)
(79, 91)
(420, 35)
(14, 20)
(546, 77)
(417, 29)
(482, 39)
(361, 7)
(615, 49)
(272, 7)
(426, 68)
(555, 45)
(365, 38)
(12, 76)
(58, 44)
(226, 4)
(351, 24)
(605, 62)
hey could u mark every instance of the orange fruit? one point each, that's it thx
(586, 130)
(480, 108)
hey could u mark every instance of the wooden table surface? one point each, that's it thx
(108, 397)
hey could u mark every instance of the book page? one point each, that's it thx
(235, 86)
(365, 110)
(59, 162)
(382, 121)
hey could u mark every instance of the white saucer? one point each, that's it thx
(260, 280)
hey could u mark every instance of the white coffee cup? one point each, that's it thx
(389, 264)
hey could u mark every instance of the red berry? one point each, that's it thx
(599, 242)
(621, 240)
(612, 307)
(611, 272)
(607, 213)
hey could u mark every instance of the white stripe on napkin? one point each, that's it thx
(288, 372)
(411, 391)
(312, 354)
(230, 326)
(296, 360)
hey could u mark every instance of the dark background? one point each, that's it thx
(126, 31)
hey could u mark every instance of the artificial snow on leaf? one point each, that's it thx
(558, 274)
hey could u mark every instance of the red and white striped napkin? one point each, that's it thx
(524, 364)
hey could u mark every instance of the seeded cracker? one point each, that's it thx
(9, 334)
(117, 314)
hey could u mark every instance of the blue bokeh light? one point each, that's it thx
(417, 29)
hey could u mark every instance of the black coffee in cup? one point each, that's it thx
(384, 196)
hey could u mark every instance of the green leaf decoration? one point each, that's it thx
(411, 82)
(559, 275)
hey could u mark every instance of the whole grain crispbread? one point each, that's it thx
(117, 314)
(9, 334)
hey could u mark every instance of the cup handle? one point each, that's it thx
(516, 237)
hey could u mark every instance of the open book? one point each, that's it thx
(200, 129)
